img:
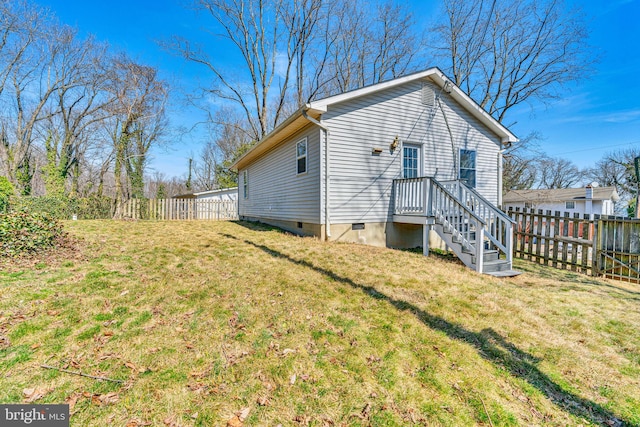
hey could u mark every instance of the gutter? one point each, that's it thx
(327, 222)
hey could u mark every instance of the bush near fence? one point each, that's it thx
(27, 232)
(65, 208)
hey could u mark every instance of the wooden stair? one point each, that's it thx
(479, 233)
(492, 264)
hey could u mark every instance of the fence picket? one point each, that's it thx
(179, 209)
(608, 246)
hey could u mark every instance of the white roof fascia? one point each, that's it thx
(438, 76)
(320, 106)
(220, 190)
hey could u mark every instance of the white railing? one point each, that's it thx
(410, 195)
(427, 197)
(498, 226)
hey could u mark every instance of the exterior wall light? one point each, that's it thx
(394, 144)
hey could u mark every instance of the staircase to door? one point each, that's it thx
(479, 233)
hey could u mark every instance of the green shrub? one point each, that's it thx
(25, 232)
(6, 191)
(56, 207)
(92, 207)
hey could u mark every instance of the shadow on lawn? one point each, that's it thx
(490, 345)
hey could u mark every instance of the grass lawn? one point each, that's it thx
(214, 324)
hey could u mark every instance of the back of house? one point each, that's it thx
(329, 169)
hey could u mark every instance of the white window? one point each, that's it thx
(245, 183)
(301, 156)
(468, 167)
(570, 205)
(410, 161)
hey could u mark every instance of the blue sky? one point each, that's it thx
(599, 115)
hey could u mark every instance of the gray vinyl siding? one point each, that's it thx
(275, 189)
(361, 182)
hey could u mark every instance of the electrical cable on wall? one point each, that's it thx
(453, 146)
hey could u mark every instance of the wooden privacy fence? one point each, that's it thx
(178, 209)
(618, 249)
(555, 240)
(605, 245)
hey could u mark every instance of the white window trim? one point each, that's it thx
(566, 204)
(245, 184)
(475, 165)
(410, 144)
(306, 157)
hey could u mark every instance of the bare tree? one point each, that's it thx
(20, 26)
(555, 172)
(292, 51)
(77, 107)
(617, 169)
(31, 84)
(254, 28)
(229, 140)
(369, 43)
(204, 167)
(138, 122)
(506, 52)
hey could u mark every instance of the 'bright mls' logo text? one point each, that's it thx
(34, 415)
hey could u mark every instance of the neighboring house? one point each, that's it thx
(221, 194)
(383, 165)
(589, 200)
(212, 204)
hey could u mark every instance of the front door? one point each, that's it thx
(411, 161)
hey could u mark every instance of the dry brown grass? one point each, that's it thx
(214, 323)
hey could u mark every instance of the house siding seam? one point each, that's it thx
(276, 190)
(361, 183)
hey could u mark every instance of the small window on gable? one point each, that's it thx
(245, 183)
(301, 156)
(570, 205)
(527, 205)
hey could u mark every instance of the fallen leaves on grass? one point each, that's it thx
(238, 418)
(202, 388)
(72, 399)
(138, 369)
(102, 399)
(33, 394)
(287, 351)
(137, 423)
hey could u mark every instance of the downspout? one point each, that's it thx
(327, 222)
(505, 144)
(500, 182)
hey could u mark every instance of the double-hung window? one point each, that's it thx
(570, 205)
(468, 167)
(301, 157)
(245, 183)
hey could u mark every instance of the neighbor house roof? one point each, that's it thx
(314, 109)
(559, 195)
(205, 193)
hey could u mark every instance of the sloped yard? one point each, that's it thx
(201, 323)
